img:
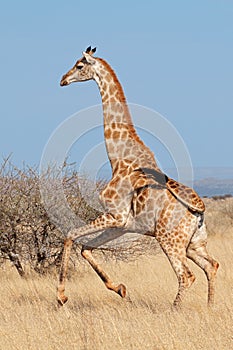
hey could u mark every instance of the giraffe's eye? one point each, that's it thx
(79, 66)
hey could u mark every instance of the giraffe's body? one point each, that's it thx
(139, 197)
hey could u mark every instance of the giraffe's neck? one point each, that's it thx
(121, 139)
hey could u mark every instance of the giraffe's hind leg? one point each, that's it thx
(184, 275)
(197, 252)
(176, 254)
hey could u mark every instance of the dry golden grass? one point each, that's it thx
(95, 318)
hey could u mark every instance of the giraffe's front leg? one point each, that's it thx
(103, 222)
(61, 298)
(119, 289)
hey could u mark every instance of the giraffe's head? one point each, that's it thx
(82, 70)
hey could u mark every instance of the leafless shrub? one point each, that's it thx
(31, 237)
(26, 233)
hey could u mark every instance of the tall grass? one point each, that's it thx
(95, 318)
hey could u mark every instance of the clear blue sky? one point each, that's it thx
(175, 57)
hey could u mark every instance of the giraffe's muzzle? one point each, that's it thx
(63, 81)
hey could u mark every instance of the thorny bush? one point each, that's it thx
(28, 236)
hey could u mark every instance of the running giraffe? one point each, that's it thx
(139, 197)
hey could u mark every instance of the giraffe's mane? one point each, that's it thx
(107, 66)
(123, 100)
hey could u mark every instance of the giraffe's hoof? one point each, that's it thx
(62, 300)
(121, 290)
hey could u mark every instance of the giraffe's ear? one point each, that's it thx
(89, 58)
(88, 49)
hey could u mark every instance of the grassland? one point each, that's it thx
(95, 318)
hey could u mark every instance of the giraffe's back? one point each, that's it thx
(182, 192)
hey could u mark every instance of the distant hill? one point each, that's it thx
(209, 181)
(213, 181)
(213, 187)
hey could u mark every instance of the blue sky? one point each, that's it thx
(174, 57)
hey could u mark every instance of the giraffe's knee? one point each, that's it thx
(212, 270)
(191, 279)
(187, 279)
(85, 252)
(215, 266)
(68, 242)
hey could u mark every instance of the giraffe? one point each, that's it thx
(139, 197)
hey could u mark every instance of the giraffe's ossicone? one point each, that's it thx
(139, 197)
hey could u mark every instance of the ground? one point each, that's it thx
(95, 318)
